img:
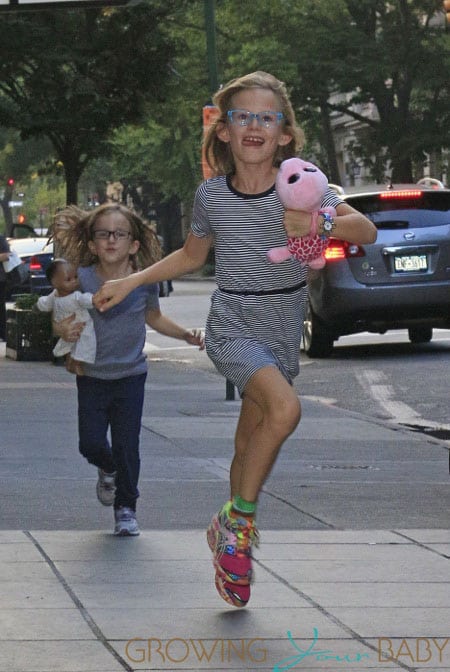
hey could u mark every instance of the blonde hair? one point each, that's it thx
(78, 237)
(218, 153)
(69, 215)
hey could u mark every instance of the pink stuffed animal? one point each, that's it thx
(301, 186)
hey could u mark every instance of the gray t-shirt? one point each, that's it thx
(120, 331)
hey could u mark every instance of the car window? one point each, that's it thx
(395, 210)
(23, 231)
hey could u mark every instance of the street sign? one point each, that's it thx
(15, 204)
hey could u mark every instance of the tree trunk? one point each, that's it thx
(8, 217)
(7, 212)
(401, 168)
(71, 184)
(329, 145)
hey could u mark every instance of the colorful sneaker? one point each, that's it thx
(237, 596)
(126, 523)
(231, 539)
(106, 487)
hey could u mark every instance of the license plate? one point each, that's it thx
(411, 263)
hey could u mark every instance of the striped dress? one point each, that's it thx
(253, 321)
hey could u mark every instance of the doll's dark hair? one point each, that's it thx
(53, 268)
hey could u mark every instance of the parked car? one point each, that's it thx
(30, 277)
(402, 281)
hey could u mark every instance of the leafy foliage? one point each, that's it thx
(127, 87)
(96, 72)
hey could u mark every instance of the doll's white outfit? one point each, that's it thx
(76, 303)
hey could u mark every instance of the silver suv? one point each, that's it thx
(402, 281)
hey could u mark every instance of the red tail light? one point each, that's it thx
(35, 264)
(338, 250)
(391, 195)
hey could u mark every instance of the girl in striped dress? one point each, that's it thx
(254, 326)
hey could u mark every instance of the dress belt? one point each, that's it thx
(268, 292)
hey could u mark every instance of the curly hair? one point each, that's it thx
(218, 153)
(63, 220)
(76, 244)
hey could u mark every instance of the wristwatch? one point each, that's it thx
(327, 225)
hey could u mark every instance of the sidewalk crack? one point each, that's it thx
(79, 605)
(327, 614)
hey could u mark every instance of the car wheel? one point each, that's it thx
(317, 340)
(420, 334)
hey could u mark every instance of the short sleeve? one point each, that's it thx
(331, 199)
(200, 225)
(84, 300)
(153, 297)
(47, 303)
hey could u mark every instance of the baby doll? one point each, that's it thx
(66, 300)
(301, 186)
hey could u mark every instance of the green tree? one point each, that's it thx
(84, 73)
(391, 54)
(18, 159)
(165, 150)
(398, 59)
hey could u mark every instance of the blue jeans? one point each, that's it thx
(115, 405)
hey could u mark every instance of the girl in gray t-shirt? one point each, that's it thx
(112, 242)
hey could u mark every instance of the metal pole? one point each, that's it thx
(210, 25)
(229, 392)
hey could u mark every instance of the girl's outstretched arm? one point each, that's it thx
(164, 325)
(189, 258)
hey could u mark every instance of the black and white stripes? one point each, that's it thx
(245, 333)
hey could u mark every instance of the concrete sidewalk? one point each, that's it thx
(86, 601)
(352, 573)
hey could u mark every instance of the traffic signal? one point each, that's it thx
(10, 181)
(210, 114)
(21, 219)
(446, 4)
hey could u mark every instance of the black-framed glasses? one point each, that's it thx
(105, 234)
(268, 118)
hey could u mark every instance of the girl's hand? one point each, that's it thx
(195, 337)
(113, 292)
(297, 223)
(68, 329)
(74, 366)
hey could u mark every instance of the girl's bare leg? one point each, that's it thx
(249, 418)
(270, 412)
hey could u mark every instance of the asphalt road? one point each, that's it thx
(350, 464)
(383, 376)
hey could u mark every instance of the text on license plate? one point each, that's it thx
(410, 263)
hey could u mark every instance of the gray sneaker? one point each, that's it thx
(106, 487)
(126, 523)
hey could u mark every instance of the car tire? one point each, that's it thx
(420, 334)
(317, 340)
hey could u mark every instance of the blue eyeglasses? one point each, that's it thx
(268, 118)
